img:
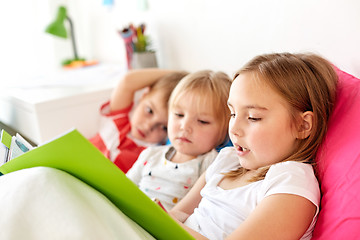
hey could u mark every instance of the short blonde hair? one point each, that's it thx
(166, 84)
(214, 87)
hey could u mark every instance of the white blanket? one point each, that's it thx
(46, 203)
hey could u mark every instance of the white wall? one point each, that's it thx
(187, 34)
(24, 49)
(224, 34)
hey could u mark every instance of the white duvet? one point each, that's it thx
(46, 203)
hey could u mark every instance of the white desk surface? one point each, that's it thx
(65, 83)
(53, 104)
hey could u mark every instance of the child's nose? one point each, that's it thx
(149, 126)
(186, 124)
(235, 127)
(155, 126)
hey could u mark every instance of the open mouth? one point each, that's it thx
(241, 149)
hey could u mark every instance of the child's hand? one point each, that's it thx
(179, 216)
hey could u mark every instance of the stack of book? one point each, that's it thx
(12, 146)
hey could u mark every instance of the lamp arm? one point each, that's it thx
(72, 38)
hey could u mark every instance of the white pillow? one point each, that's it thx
(46, 203)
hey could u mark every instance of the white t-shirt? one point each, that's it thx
(165, 180)
(221, 211)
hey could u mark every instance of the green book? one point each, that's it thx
(74, 154)
(5, 138)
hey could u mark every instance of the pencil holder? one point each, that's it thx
(143, 60)
(139, 53)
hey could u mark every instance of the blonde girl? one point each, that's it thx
(264, 187)
(198, 122)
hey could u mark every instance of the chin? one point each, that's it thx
(185, 151)
(245, 165)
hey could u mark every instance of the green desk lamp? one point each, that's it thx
(58, 29)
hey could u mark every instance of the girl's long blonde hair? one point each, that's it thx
(308, 83)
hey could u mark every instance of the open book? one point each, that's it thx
(75, 155)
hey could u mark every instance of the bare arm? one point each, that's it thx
(134, 80)
(279, 216)
(193, 233)
(186, 206)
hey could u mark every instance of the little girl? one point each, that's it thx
(198, 122)
(264, 187)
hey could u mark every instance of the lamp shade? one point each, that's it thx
(57, 27)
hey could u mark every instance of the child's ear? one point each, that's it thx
(305, 125)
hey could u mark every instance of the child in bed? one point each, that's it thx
(264, 187)
(198, 122)
(128, 128)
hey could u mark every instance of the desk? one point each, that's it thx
(44, 111)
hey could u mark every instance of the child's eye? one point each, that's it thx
(149, 110)
(203, 122)
(164, 128)
(232, 115)
(180, 115)
(253, 119)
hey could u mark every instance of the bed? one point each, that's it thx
(45, 203)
